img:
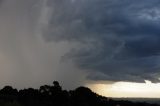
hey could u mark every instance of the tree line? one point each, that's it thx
(54, 95)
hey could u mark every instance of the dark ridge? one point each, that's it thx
(54, 95)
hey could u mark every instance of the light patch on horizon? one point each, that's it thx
(127, 89)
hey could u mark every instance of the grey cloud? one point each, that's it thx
(119, 39)
(26, 60)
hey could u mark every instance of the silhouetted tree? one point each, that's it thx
(8, 90)
(54, 95)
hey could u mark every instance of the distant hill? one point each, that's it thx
(147, 100)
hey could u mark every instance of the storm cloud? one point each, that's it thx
(26, 59)
(115, 40)
(73, 41)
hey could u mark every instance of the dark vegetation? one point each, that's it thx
(48, 95)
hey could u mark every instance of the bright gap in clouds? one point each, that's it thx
(127, 89)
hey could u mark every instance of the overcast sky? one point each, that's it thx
(117, 40)
(73, 41)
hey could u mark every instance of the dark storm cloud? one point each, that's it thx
(119, 39)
